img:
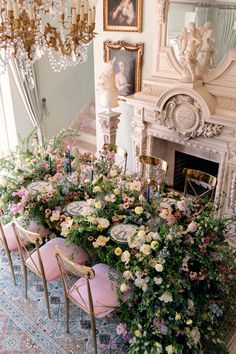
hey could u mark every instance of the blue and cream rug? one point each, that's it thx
(25, 327)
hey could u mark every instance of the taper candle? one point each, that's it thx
(148, 190)
(121, 191)
(69, 161)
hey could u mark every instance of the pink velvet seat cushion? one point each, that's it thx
(33, 227)
(47, 252)
(103, 289)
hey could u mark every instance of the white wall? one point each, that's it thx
(66, 92)
(146, 37)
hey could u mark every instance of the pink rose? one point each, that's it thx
(192, 227)
(121, 329)
(181, 205)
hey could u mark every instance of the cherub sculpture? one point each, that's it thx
(107, 89)
(188, 57)
(207, 51)
(196, 52)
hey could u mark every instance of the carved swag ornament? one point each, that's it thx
(183, 114)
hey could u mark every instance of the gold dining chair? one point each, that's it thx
(199, 183)
(4, 243)
(42, 259)
(153, 168)
(119, 151)
(94, 292)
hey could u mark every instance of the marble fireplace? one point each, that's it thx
(196, 118)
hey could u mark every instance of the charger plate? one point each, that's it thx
(75, 208)
(121, 232)
(39, 186)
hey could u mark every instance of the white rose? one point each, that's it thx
(104, 223)
(166, 297)
(97, 189)
(146, 249)
(141, 234)
(141, 198)
(158, 281)
(159, 267)
(125, 257)
(124, 287)
(127, 275)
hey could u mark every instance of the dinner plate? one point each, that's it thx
(75, 208)
(167, 202)
(39, 186)
(121, 232)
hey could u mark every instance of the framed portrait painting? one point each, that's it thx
(122, 15)
(127, 65)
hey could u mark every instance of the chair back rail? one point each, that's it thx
(8, 254)
(66, 267)
(154, 167)
(120, 151)
(194, 178)
(32, 237)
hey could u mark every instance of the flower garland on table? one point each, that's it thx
(177, 268)
(29, 162)
(175, 271)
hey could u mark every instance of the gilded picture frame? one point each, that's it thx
(122, 15)
(127, 66)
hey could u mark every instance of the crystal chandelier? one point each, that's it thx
(30, 29)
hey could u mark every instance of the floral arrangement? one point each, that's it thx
(175, 273)
(178, 252)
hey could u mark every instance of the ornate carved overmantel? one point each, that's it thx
(198, 115)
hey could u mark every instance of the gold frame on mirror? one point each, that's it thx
(125, 53)
(122, 25)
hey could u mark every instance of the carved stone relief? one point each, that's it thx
(109, 125)
(183, 114)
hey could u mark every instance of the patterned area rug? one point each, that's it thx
(25, 327)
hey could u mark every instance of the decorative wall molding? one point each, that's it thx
(154, 90)
(109, 125)
(162, 5)
(232, 193)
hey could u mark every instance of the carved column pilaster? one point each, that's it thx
(221, 177)
(139, 137)
(149, 144)
(232, 194)
(109, 124)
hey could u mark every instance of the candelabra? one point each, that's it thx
(30, 29)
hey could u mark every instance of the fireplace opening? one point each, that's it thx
(183, 160)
